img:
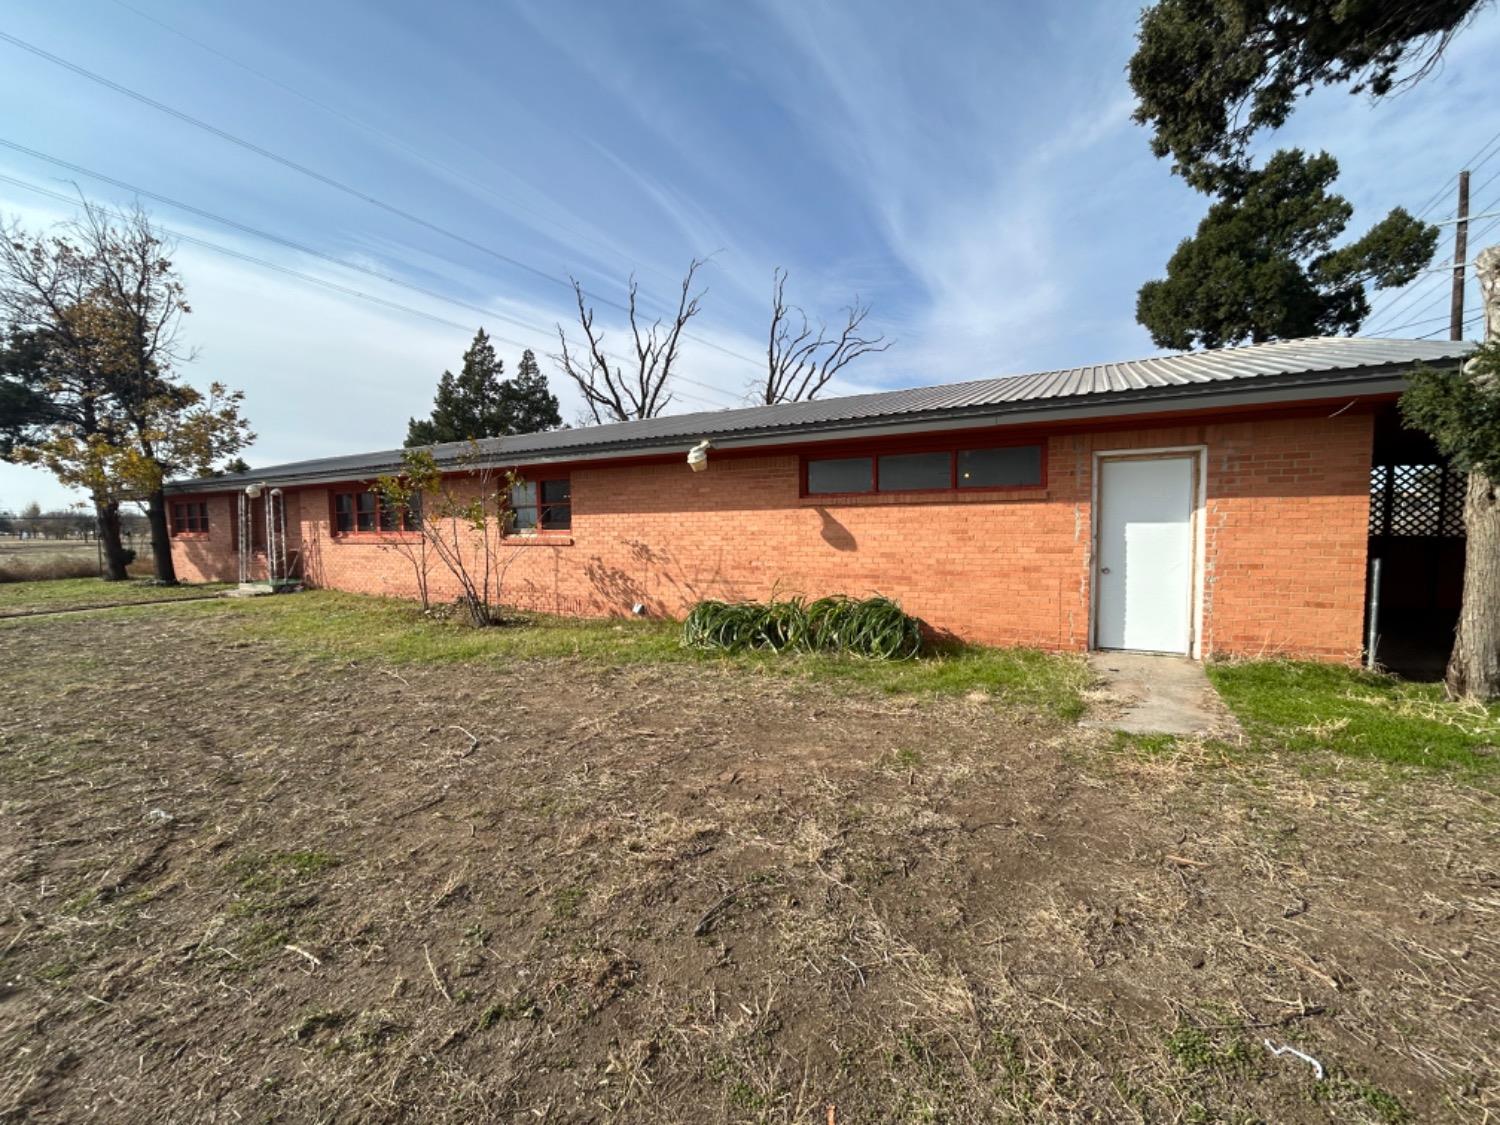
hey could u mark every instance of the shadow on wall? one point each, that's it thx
(835, 534)
(312, 558)
(652, 569)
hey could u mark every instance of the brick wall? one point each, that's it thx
(1284, 531)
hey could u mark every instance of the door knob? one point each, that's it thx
(1104, 570)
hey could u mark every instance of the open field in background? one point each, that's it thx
(29, 560)
(314, 858)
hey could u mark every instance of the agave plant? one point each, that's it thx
(875, 627)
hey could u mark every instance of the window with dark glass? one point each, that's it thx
(190, 517)
(907, 472)
(557, 505)
(364, 511)
(369, 511)
(388, 517)
(841, 474)
(545, 505)
(942, 470)
(1010, 466)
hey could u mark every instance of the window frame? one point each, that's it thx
(194, 525)
(406, 529)
(537, 531)
(952, 446)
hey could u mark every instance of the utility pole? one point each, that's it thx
(1460, 253)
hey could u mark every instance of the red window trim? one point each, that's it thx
(949, 445)
(187, 513)
(539, 533)
(377, 534)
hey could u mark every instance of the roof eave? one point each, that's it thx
(1268, 390)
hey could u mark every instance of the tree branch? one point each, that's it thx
(611, 394)
(800, 362)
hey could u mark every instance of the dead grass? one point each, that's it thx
(273, 885)
(43, 560)
(47, 569)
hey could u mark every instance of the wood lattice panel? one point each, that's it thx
(1416, 500)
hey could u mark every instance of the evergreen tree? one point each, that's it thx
(530, 405)
(1262, 266)
(1211, 74)
(467, 406)
(480, 403)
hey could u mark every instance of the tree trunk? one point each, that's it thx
(161, 539)
(1474, 667)
(107, 512)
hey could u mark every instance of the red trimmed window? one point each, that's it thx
(189, 517)
(368, 513)
(541, 505)
(939, 470)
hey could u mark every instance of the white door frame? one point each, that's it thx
(1197, 519)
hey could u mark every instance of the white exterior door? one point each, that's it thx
(1143, 577)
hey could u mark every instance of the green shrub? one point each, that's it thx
(875, 627)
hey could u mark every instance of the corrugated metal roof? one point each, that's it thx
(1281, 363)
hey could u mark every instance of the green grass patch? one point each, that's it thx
(355, 627)
(83, 593)
(519, 1007)
(1027, 678)
(1300, 706)
(345, 627)
(275, 871)
(1198, 1049)
(1145, 745)
(1375, 1103)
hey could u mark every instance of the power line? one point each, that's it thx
(1473, 320)
(1453, 179)
(373, 130)
(1405, 301)
(257, 233)
(1486, 152)
(1477, 235)
(1409, 324)
(1467, 218)
(1475, 164)
(1438, 197)
(1487, 183)
(302, 247)
(324, 283)
(329, 181)
(1444, 294)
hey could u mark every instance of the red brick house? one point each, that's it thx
(1218, 502)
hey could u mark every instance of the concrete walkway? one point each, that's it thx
(1144, 693)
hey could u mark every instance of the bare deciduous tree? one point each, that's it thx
(612, 393)
(799, 360)
(463, 518)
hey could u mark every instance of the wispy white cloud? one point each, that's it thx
(968, 168)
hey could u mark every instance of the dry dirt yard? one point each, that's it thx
(243, 883)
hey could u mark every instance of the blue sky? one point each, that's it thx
(970, 170)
